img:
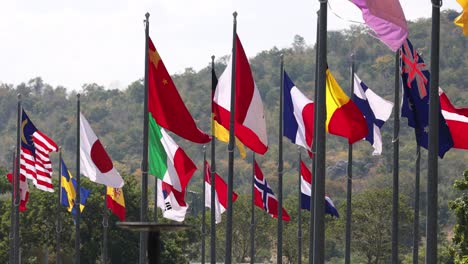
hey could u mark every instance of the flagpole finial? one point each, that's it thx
(234, 15)
(147, 15)
(18, 96)
(78, 96)
(212, 57)
(281, 56)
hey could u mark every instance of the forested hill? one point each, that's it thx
(116, 115)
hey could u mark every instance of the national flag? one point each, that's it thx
(415, 106)
(462, 19)
(171, 202)
(376, 110)
(68, 194)
(457, 121)
(34, 159)
(249, 121)
(386, 19)
(23, 188)
(220, 132)
(167, 161)
(221, 193)
(264, 196)
(165, 104)
(95, 163)
(306, 190)
(298, 115)
(115, 202)
(343, 116)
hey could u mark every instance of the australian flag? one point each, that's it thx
(415, 106)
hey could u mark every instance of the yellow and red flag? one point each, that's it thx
(462, 19)
(115, 202)
(343, 116)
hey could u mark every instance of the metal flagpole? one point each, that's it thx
(144, 163)
(77, 191)
(396, 160)
(58, 227)
(105, 226)
(319, 232)
(252, 216)
(231, 146)
(213, 173)
(314, 151)
(203, 227)
(299, 208)
(16, 176)
(416, 206)
(279, 255)
(12, 213)
(350, 182)
(433, 166)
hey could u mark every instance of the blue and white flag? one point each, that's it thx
(375, 109)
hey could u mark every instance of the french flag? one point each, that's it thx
(306, 190)
(298, 115)
(375, 109)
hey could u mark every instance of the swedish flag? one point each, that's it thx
(68, 193)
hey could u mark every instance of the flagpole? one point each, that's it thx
(12, 214)
(416, 206)
(299, 208)
(58, 227)
(105, 226)
(144, 163)
(319, 232)
(350, 182)
(252, 216)
(279, 255)
(433, 166)
(396, 161)
(16, 176)
(203, 231)
(77, 197)
(231, 146)
(213, 173)
(314, 151)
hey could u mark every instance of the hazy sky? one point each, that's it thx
(70, 43)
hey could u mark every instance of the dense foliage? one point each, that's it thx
(116, 117)
(460, 207)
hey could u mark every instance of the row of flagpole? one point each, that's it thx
(317, 239)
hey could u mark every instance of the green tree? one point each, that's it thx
(459, 207)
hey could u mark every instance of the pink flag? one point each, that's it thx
(386, 19)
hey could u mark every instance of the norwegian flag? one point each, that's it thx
(415, 106)
(264, 196)
(34, 160)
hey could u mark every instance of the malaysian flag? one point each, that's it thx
(35, 161)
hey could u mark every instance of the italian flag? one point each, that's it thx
(167, 161)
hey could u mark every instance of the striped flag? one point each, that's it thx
(34, 159)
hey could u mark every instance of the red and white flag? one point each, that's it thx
(457, 121)
(34, 158)
(221, 193)
(250, 127)
(24, 190)
(94, 161)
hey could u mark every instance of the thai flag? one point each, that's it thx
(306, 190)
(298, 115)
(375, 109)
